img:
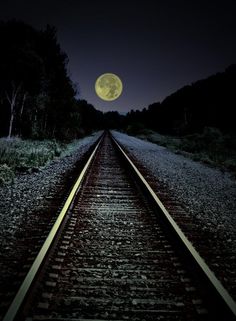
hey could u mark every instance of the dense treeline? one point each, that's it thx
(206, 103)
(37, 98)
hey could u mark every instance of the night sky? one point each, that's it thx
(155, 47)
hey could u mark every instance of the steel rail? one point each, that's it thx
(208, 273)
(38, 262)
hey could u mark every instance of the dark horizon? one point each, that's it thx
(155, 49)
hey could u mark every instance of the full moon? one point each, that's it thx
(108, 86)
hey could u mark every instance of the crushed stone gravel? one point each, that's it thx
(31, 190)
(208, 196)
(207, 193)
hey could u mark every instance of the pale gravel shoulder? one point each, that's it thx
(31, 190)
(207, 193)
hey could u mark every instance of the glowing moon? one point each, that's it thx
(108, 86)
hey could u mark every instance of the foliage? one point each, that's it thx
(6, 174)
(18, 155)
(113, 120)
(135, 128)
(91, 119)
(205, 103)
(36, 95)
(210, 146)
(21, 155)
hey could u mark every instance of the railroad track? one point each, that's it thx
(115, 253)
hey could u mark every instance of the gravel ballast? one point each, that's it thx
(24, 202)
(207, 194)
(30, 190)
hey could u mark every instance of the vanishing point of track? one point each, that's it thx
(115, 253)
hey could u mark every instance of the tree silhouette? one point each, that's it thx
(206, 103)
(33, 81)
